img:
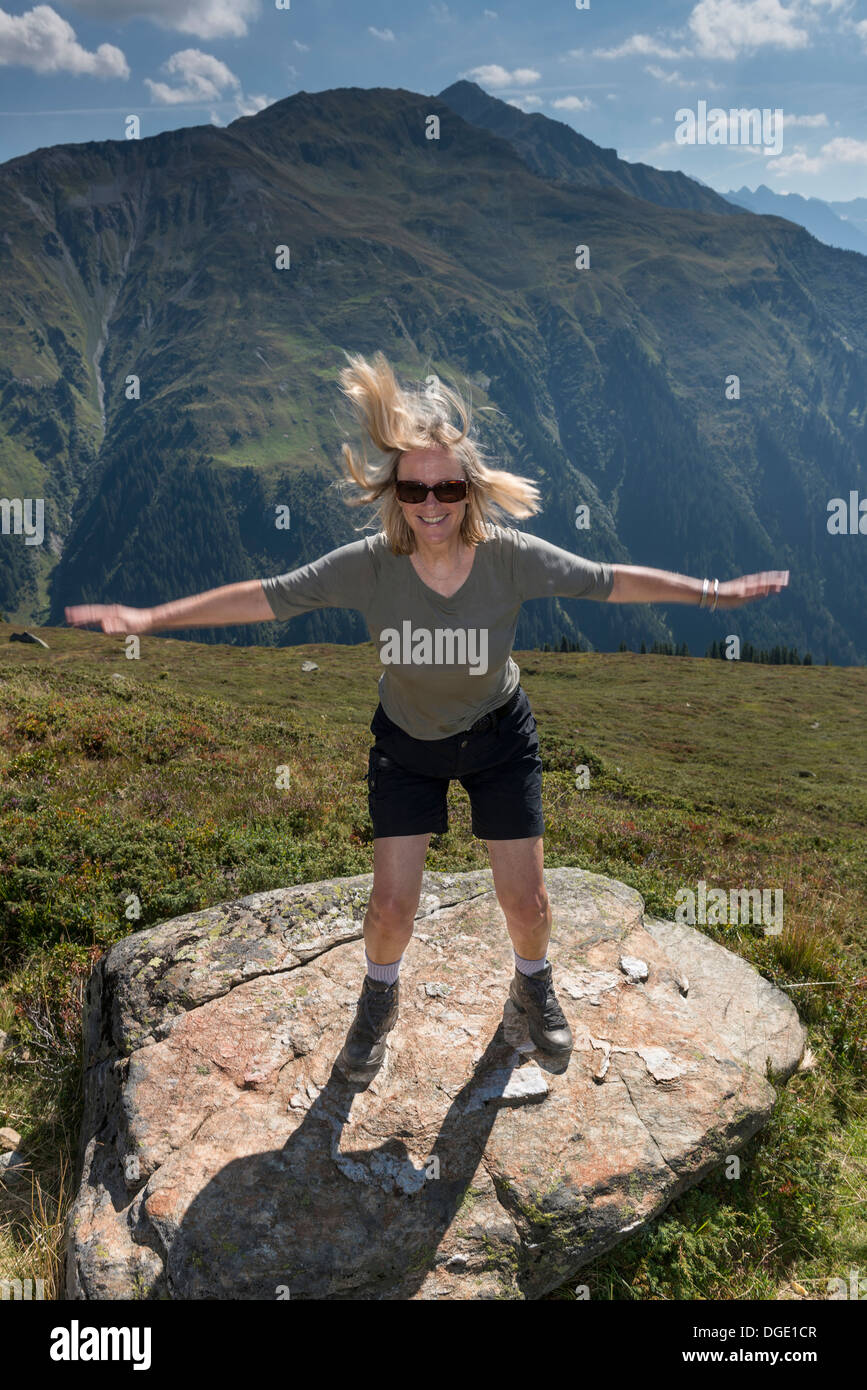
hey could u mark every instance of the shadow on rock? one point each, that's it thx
(315, 1220)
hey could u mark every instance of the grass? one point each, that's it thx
(132, 791)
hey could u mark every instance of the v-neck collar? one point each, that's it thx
(458, 592)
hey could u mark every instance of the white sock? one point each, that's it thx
(529, 967)
(387, 973)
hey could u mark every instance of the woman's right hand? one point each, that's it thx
(111, 617)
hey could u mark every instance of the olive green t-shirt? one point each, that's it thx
(447, 660)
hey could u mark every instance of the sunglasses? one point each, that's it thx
(455, 490)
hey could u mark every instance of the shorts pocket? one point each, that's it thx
(377, 764)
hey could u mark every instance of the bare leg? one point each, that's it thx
(517, 866)
(398, 865)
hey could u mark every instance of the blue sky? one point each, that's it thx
(616, 70)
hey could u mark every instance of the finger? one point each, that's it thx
(81, 614)
(770, 576)
(768, 582)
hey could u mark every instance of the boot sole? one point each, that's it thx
(358, 1072)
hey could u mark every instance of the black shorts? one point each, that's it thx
(499, 766)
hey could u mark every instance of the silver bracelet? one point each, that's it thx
(703, 599)
(715, 595)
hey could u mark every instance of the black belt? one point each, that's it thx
(492, 719)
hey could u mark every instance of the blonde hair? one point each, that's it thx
(400, 419)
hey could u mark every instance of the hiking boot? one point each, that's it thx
(376, 1014)
(534, 996)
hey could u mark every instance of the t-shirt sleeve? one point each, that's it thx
(341, 579)
(543, 570)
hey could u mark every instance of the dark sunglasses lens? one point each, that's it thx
(411, 492)
(444, 492)
(450, 492)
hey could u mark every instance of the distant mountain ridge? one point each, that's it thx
(829, 222)
(150, 266)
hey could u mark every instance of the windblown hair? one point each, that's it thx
(400, 419)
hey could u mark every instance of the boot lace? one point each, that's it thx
(375, 1006)
(543, 993)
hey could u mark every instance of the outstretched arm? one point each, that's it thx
(635, 584)
(244, 602)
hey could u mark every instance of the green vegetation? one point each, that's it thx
(154, 792)
(777, 656)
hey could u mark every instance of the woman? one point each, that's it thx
(440, 585)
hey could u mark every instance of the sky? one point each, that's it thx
(622, 72)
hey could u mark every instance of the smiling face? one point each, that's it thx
(434, 524)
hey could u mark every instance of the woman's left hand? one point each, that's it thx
(734, 592)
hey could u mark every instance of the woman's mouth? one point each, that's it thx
(432, 521)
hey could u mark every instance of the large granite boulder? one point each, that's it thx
(222, 1156)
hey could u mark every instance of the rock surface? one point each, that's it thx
(223, 1157)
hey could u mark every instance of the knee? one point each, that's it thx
(529, 909)
(391, 912)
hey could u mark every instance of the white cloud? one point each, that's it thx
(643, 46)
(842, 150)
(492, 75)
(845, 150)
(671, 77)
(490, 14)
(43, 41)
(202, 78)
(205, 78)
(572, 104)
(820, 119)
(302, 47)
(249, 105)
(387, 35)
(726, 28)
(677, 78)
(529, 99)
(798, 163)
(206, 19)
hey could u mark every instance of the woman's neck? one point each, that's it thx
(440, 559)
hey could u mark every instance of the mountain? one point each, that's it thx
(853, 212)
(821, 219)
(164, 386)
(557, 151)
